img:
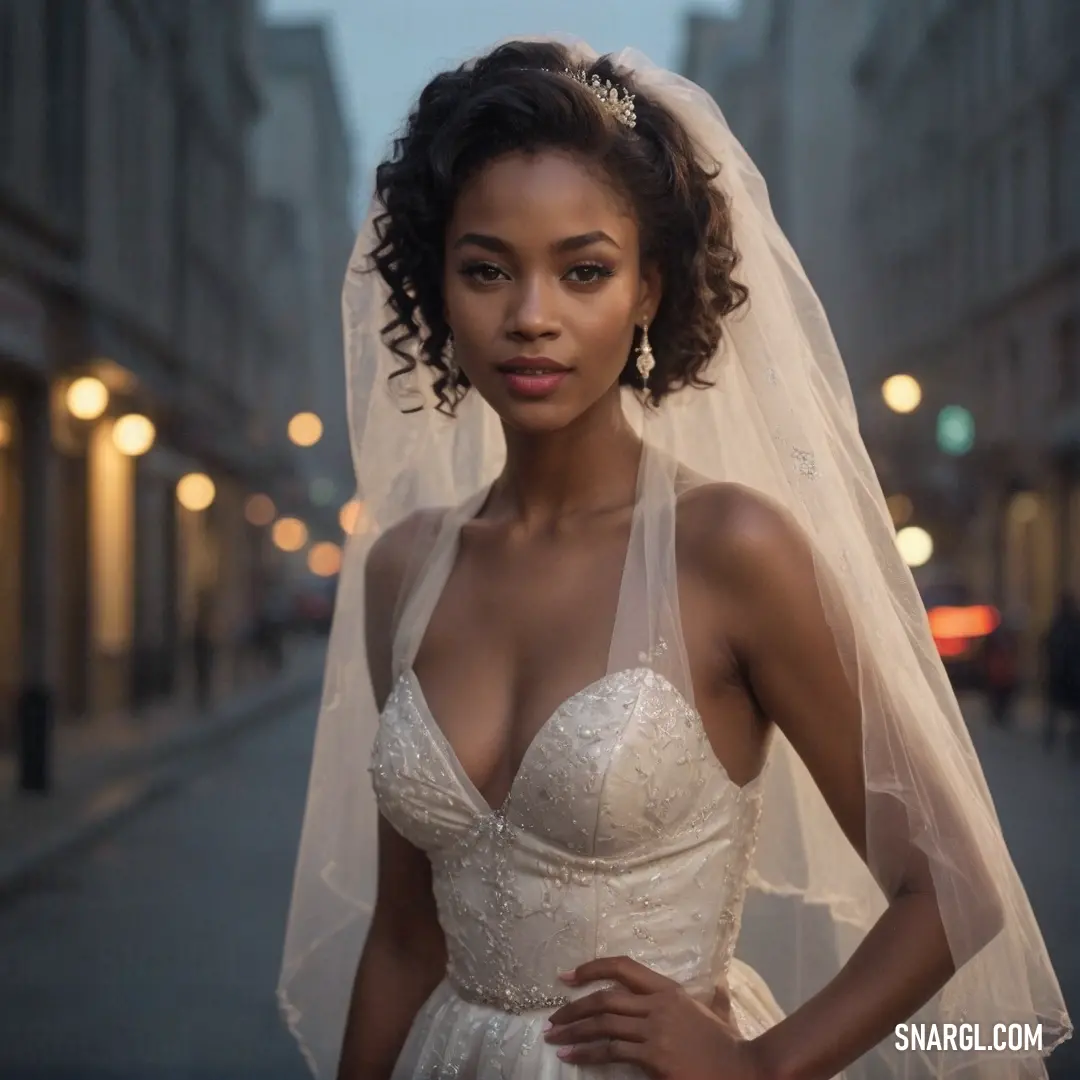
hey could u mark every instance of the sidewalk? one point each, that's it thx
(107, 770)
(1027, 716)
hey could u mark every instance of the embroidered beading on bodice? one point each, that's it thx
(622, 835)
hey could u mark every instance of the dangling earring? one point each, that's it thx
(645, 359)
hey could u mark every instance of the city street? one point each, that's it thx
(154, 955)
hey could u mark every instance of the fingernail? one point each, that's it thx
(567, 976)
(565, 1052)
(548, 1026)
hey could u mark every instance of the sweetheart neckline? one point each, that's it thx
(473, 792)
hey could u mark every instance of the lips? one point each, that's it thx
(532, 365)
(533, 376)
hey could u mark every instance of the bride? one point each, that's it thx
(666, 777)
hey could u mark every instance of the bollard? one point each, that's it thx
(34, 721)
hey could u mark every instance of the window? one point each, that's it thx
(63, 100)
(1068, 360)
(1017, 34)
(1055, 167)
(1017, 209)
(7, 83)
(992, 238)
(118, 107)
(1013, 405)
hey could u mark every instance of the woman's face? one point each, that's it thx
(543, 287)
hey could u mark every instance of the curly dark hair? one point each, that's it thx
(518, 99)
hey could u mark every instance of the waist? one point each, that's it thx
(506, 994)
(517, 996)
(753, 1007)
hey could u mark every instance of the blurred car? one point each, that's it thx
(960, 627)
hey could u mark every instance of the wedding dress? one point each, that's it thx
(622, 834)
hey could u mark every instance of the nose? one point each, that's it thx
(534, 313)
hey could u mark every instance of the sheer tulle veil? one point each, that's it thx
(781, 420)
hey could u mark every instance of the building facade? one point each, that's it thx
(924, 160)
(302, 157)
(780, 72)
(131, 293)
(42, 225)
(967, 182)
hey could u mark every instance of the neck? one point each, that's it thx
(587, 467)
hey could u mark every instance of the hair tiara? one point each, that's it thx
(618, 102)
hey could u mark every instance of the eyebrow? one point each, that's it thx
(501, 247)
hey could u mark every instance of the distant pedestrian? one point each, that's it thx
(1061, 666)
(1001, 670)
(203, 648)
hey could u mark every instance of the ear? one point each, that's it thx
(651, 291)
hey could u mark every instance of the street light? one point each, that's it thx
(195, 491)
(902, 393)
(133, 434)
(352, 517)
(321, 491)
(259, 510)
(324, 559)
(289, 534)
(305, 429)
(915, 545)
(87, 398)
(955, 430)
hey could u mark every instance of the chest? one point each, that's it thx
(520, 630)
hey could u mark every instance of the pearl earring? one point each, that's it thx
(645, 359)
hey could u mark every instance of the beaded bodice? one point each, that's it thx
(622, 835)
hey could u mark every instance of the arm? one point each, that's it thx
(404, 955)
(796, 673)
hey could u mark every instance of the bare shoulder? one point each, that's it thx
(395, 553)
(735, 535)
(400, 546)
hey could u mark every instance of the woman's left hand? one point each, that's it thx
(652, 1023)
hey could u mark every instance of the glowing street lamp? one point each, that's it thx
(955, 430)
(305, 429)
(86, 398)
(289, 534)
(324, 559)
(259, 510)
(133, 434)
(352, 517)
(902, 393)
(195, 491)
(915, 545)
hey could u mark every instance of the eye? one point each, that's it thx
(483, 272)
(589, 273)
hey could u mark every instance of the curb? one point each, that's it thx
(156, 772)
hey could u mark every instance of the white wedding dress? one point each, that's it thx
(622, 835)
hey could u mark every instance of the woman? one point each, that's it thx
(649, 679)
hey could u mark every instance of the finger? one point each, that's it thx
(632, 974)
(617, 1002)
(605, 1026)
(608, 1053)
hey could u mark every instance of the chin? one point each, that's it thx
(537, 417)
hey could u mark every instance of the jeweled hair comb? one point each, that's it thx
(618, 102)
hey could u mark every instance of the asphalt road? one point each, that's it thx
(154, 955)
